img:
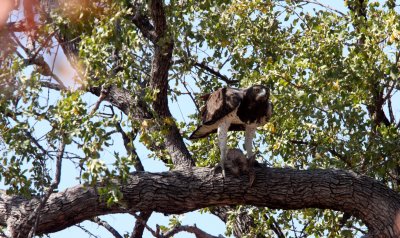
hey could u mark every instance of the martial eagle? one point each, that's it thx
(231, 109)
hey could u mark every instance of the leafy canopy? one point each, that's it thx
(332, 73)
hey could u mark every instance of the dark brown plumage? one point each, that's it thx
(226, 100)
(229, 109)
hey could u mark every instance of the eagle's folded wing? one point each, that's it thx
(219, 104)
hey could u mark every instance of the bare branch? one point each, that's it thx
(124, 101)
(212, 71)
(191, 96)
(128, 142)
(35, 142)
(325, 6)
(216, 73)
(143, 223)
(50, 85)
(140, 224)
(18, 26)
(191, 229)
(86, 231)
(107, 226)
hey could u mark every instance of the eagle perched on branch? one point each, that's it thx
(231, 109)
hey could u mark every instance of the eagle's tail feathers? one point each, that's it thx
(203, 131)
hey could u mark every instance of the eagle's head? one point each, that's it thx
(259, 93)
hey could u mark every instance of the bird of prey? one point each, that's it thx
(231, 109)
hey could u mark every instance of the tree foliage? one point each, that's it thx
(334, 75)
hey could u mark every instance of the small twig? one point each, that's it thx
(325, 6)
(86, 231)
(212, 71)
(107, 226)
(34, 141)
(359, 230)
(191, 96)
(293, 9)
(19, 43)
(39, 61)
(216, 73)
(43, 45)
(128, 142)
(191, 229)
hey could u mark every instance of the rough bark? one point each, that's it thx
(182, 191)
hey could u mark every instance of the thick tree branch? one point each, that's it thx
(181, 191)
(160, 66)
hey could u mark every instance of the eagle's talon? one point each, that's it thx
(252, 173)
(216, 169)
(223, 172)
(252, 176)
